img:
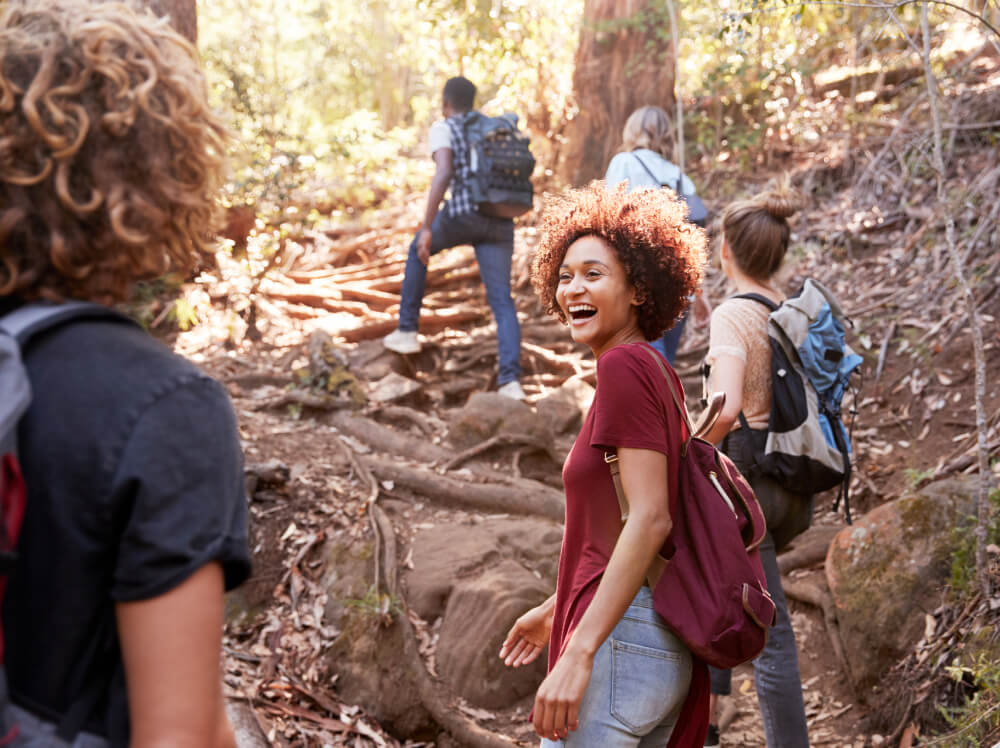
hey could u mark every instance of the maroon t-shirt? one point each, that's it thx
(630, 409)
(633, 408)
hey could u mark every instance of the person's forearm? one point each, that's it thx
(722, 426)
(640, 540)
(439, 185)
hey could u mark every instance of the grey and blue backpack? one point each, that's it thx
(808, 448)
(500, 163)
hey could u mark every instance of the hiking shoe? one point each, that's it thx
(402, 341)
(712, 738)
(512, 390)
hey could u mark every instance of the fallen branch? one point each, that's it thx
(884, 350)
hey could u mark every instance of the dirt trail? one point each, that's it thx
(914, 424)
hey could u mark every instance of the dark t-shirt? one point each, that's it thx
(134, 471)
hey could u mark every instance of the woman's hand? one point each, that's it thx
(557, 703)
(528, 636)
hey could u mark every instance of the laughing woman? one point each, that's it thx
(617, 675)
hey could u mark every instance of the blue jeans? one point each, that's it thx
(493, 240)
(671, 340)
(638, 685)
(776, 669)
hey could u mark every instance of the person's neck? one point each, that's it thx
(746, 284)
(630, 334)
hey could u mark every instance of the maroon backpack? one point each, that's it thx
(711, 591)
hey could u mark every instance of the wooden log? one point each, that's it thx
(526, 497)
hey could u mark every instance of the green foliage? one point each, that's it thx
(183, 314)
(330, 99)
(976, 722)
(963, 560)
(377, 605)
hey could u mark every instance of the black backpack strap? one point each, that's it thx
(648, 171)
(760, 298)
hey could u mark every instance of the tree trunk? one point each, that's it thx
(182, 13)
(624, 61)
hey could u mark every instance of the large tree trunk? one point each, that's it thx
(624, 61)
(182, 13)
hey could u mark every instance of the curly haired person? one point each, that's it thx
(618, 267)
(136, 520)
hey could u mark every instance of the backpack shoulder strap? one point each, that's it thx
(648, 170)
(31, 319)
(759, 298)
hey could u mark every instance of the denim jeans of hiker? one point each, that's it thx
(493, 240)
(638, 685)
(776, 669)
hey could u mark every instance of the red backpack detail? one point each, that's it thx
(12, 500)
(711, 590)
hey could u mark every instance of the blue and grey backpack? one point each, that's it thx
(808, 449)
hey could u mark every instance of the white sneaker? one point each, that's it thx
(402, 341)
(512, 390)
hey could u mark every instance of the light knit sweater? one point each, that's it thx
(739, 329)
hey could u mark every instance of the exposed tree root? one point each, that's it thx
(303, 399)
(382, 438)
(518, 496)
(809, 549)
(428, 323)
(820, 598)
(501, 440)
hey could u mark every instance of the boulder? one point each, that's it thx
(564, 409)
(480, 612)
(445, 555)
(885, 571)
(478, 579)
(367, 655)
(487, 414)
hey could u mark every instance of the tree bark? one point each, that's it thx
(624, 61)
(182, 14)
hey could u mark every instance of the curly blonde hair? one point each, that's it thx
(110, 158)
(649, 127)
(663, 254)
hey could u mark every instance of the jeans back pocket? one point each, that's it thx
(647, 684)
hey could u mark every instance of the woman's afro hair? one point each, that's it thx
(663, 254)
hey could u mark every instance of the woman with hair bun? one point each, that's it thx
(644, 160)
(618, 267)
(755, 236)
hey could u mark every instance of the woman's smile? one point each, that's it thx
(595, 295)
